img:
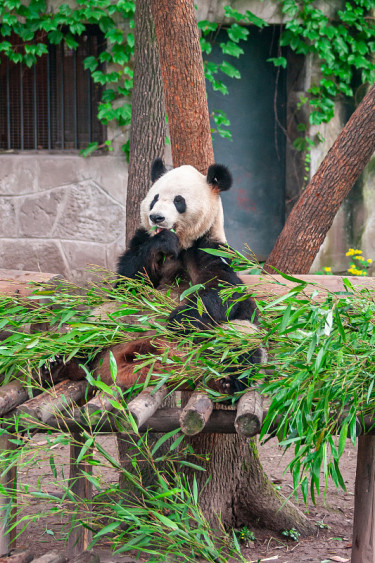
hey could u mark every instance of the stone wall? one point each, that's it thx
(60, 212)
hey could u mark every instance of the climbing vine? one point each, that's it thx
(343, 41)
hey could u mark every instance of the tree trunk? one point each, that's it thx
(147, 132)
(239, 490)
(313, 214)
(184, 84)
(148, 127)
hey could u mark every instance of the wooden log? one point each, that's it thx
(79, 536)
(98, 407)
(11, 395)
(196, 413)
(8, 480)
(249, 416)
(53, 403)
(274, 284)
(20, 283)
(20, 557)
(146, 404)
(89, 557)
(363, 542)
(51, 557)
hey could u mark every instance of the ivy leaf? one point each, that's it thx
(231, 49)
(238, 33)
(91, 147)
(278, 61)
(90, 63)
(55, 37)
(230, 70)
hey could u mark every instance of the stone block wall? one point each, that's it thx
(61, 213)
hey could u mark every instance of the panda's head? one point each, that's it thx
(186, 201)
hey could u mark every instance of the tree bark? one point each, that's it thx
(147, 133)
(239, 490)
(313, 214)
(184, 83)
(148, 127)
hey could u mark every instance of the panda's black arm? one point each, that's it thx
(214, 274)
(146, 253)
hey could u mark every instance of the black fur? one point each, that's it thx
(180, 203)
(146, 255)
(157, 170)
(154, 201)
(219, 176)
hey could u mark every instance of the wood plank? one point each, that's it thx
(146, 404)
(11, 395)
(8, 502)
(18, 282)
(363, 542)
(196, 413)
(79, 536)
(53, 402)
(249, 415)
(267, 284)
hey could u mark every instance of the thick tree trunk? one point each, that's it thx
(184, 84)
(147, 132)
(239, 490)
(313, 214)
(148, 127)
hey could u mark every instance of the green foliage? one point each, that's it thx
(160, 520)
(320, 374)
(343, 43)
(322, 380)
(35, 28)
(293, 534)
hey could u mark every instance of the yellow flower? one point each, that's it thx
(357, 252)
(369, 261)
(327, 269)
(350, 252)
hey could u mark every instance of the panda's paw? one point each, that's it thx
(186, 319)
(231, 384)
(166, 243)
(52, 366)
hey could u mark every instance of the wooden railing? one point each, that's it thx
(57, 408)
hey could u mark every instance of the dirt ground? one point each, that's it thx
(333, 514)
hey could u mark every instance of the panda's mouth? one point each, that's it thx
(158, 230)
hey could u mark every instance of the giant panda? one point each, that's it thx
(181, 216)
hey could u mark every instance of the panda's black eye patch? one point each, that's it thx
(154, 201)
(180, 203)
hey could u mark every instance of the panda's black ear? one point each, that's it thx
(157, 169)
(219, 177)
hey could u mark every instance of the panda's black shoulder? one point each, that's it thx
(206, 260)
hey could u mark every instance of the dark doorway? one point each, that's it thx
(254, 208)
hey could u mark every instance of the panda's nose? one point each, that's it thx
(157, 218)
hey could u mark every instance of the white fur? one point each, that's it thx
(204, 210)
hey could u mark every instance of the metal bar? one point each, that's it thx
(49, 100)
(89, 130)
(75, 99)
(21, 109)
(62, 116)
(35, 110)
(8, 103)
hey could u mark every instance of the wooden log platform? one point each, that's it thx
(58, 410)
